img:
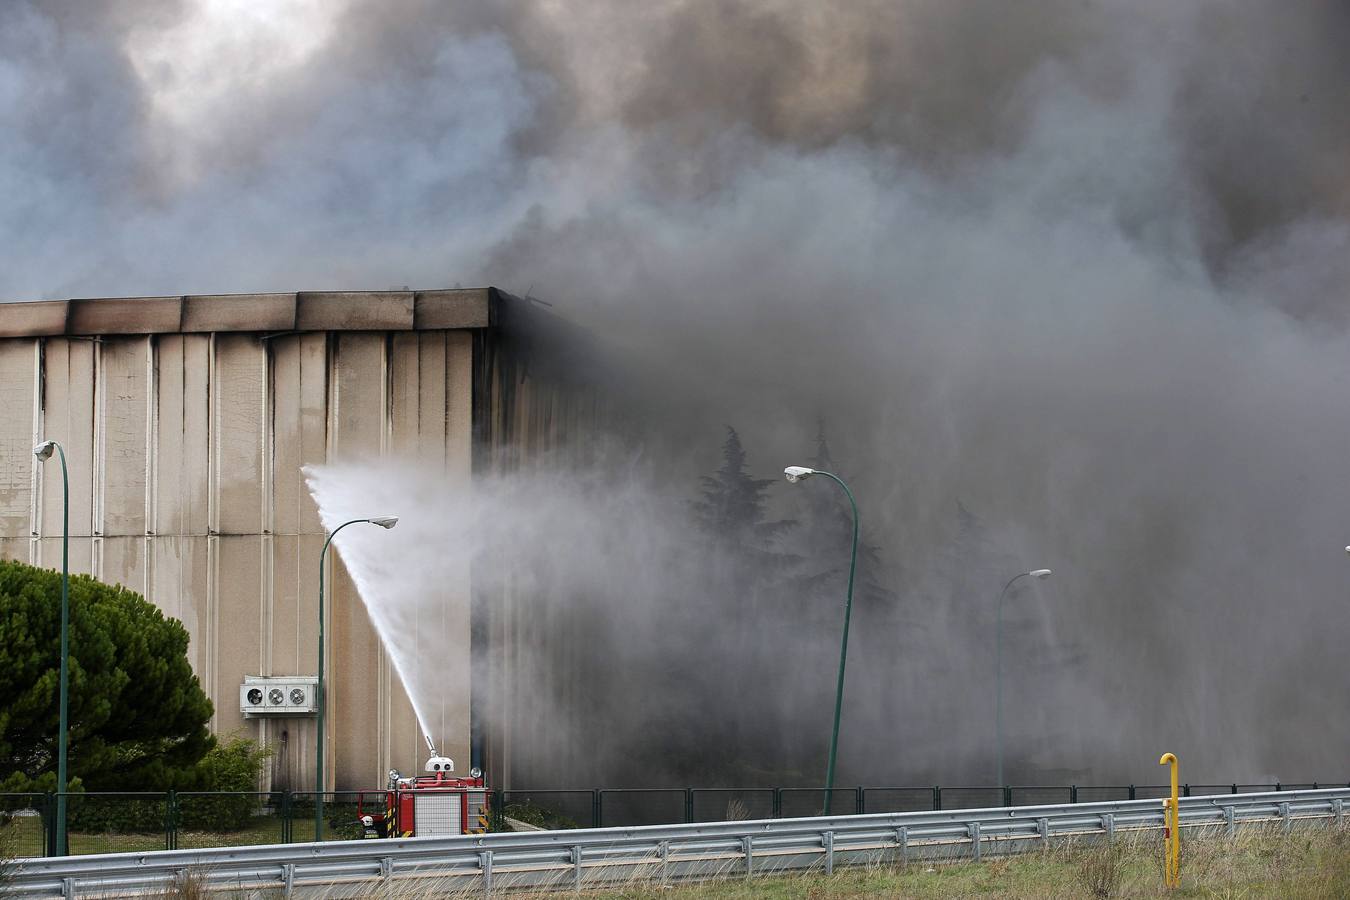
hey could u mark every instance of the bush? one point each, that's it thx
(538, 816)
(232, 766)
(1101, 869)
(115, 814)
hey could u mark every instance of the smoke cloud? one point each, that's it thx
(1064, 281)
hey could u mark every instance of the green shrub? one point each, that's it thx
(115, 814)
(234, 766)
(538, 816)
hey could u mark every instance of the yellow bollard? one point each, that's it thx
(1172, 827)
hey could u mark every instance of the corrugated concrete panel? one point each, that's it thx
(287, 630)
(15, 548)
(358, 431)
(537, 399)
(182, 436)
(299, 414)
(122, 560)
(354, 311)
(456, 607)
(124, 445)
(68, 394)
(17, 406)
(239, 426)
(34, 319)
(124, 315)
(236, 625)
(458, 425)
(239, 312)
(82, 552)
(358, 406)
(355, 682)
(432, 382)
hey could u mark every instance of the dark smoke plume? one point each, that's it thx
(1065, 280)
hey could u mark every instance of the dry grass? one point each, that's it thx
(1309, 864)
(1312, 863)
(1101, 869)
(189, 884)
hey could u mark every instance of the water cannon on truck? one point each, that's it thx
(436, 803)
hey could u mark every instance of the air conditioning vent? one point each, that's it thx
(278, 695)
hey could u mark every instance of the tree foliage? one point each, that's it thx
(731, 508)
(828, 520)
(138, 716)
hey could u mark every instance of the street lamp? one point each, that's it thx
(43, 452)
(998, 670)
(795, 474)
(319, 698)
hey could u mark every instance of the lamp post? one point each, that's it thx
(320, 699)
(795, 474)
(998, 665)
(43, 452)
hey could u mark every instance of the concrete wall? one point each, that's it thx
(544, 396)
(185, 445)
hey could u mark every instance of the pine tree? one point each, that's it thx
(744, 577)
(731, 510)
(829, 522)
(138, 716)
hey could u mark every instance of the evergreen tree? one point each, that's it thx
(731, 509)
(744, 576)
(830, 525)
(138, 716)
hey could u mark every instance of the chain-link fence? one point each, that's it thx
(114, 822)
(23, 825)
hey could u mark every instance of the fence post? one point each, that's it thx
(499, 810)
(937, 797)
(1007, 795)
(595, 809)
(485, 865)
(171, 820)
(688, 805)
(1132, 792)
(1073, 793)
(1186, 790)
(284, 814)
(859, 804)
(777, 803)
(49, 821)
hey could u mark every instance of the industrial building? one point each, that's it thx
(187, 420)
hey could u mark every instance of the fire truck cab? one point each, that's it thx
(424, 805)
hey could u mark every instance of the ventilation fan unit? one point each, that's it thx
(278, 695)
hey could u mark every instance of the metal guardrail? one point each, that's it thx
(594, 857)
(107, 822)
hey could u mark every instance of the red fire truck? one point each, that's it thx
(434, 804)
